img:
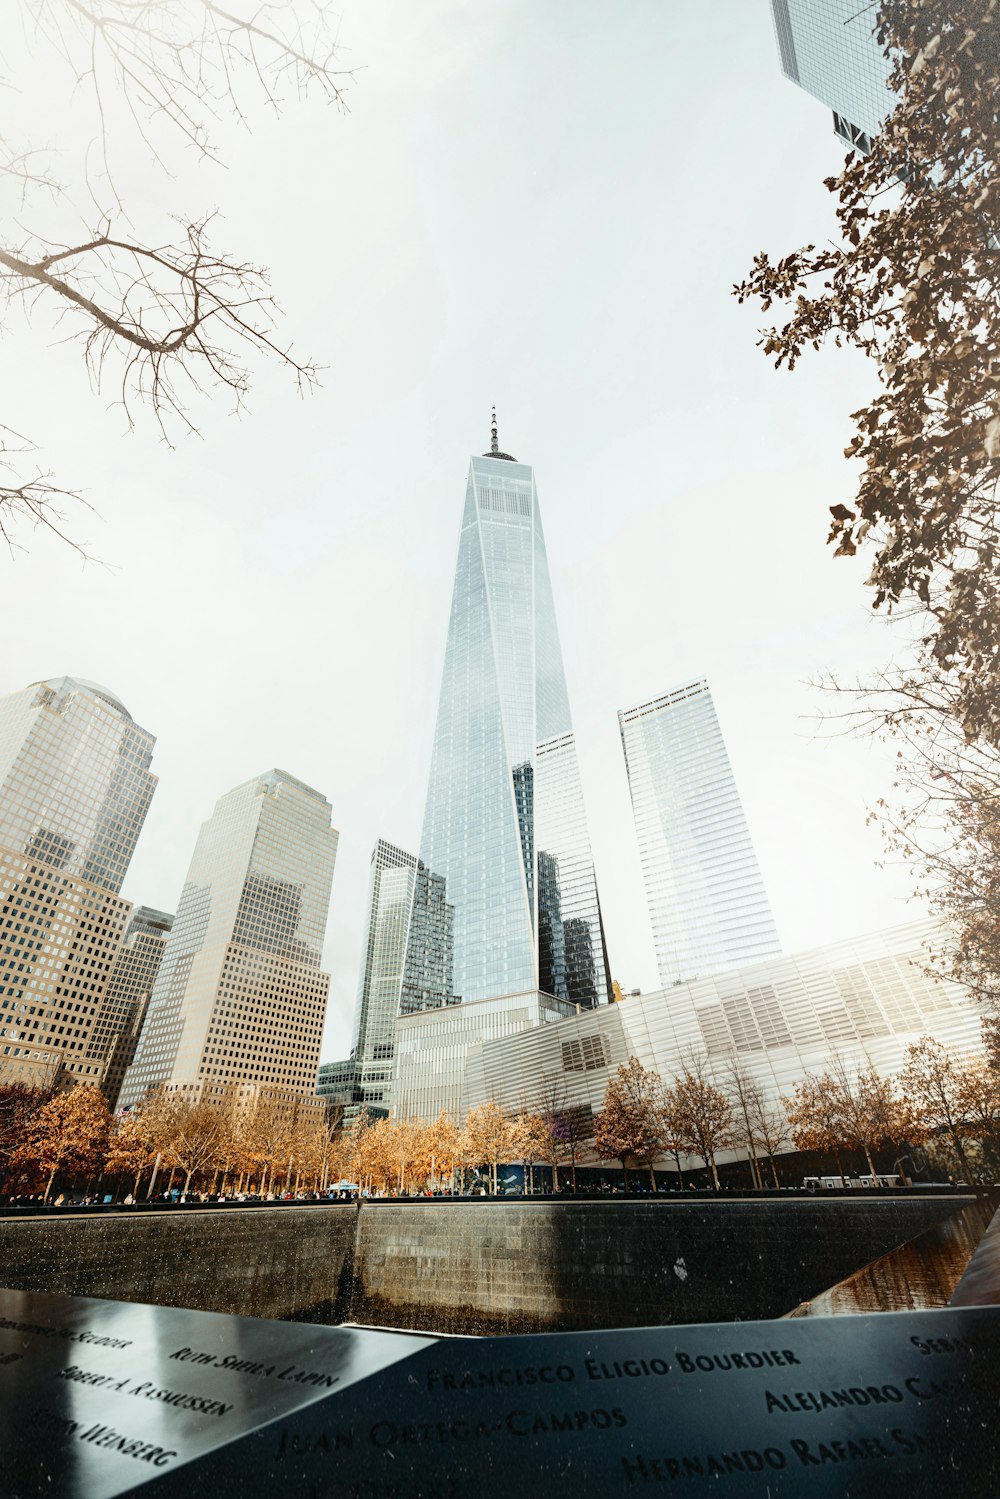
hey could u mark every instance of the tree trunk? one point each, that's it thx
(152, 1179)
(555, 1175)
(756, 1167)
(871, 1165)
(840, 1168)
(710, 1163)
(48, 1188)
(774, 1173)
(652, 1176)
(170, 1183)
(680, 1174)
(187, 1181)
(624, 1172)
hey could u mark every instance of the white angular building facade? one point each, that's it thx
(865, 1000)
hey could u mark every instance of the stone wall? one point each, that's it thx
(473, 1266)
(279, 1262)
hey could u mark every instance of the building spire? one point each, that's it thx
(494, 451)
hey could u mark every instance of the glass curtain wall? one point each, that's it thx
(504, 826)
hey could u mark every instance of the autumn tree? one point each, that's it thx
(815, 1118)
(18, 1103)
(130, 1148)
(443, 1147)
(489, 1140)
(531, 1141)
(549, 1104)
(702, 1113)
(978, 1104)
(632, 1123)
(911, 282)
(744, 1093)
(68, 1135)
(163, 314)
(932, 1083)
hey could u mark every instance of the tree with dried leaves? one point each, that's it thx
(745, 1096)
(702, 1114)
(489, 1140)
(68, 1135)
(164, 315)
(979, 1106)
(815, 1118)
(130, 1150)
(18, 1105)
(912, 283)
(531, 1141)
(932, 1084)
(632, 1124)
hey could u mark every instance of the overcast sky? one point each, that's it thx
(543, 205)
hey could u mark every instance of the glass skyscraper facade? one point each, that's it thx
(123, 1012)
(504, 827)
(239, 997)
(707, 903)
(407, 967)
(828, 48)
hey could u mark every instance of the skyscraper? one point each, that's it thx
(504, 825)
(407, 967)
(75, 787)
(828, 48)
(239, 998)
(122, 1013)
(707, 903)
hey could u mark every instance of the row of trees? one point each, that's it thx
(938, 1100)
(259, 1143)
(270, 1145)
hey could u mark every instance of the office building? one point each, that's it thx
(75, 787)
(240, 1000)
(865, 999)
(407, 967)
(126, 998)
(504, 826)
(828, 48)
(707, 903)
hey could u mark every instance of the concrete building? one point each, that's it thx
(828, 48)
(707, 903)
(239, 998)
(866, 999)
(126, 999)
(75, 787)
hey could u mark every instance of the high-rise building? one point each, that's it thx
(75, 787)
(407, 967)
(126, 999)
(504, 824)
(829, 49)
(707, 903)
(239, 998)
